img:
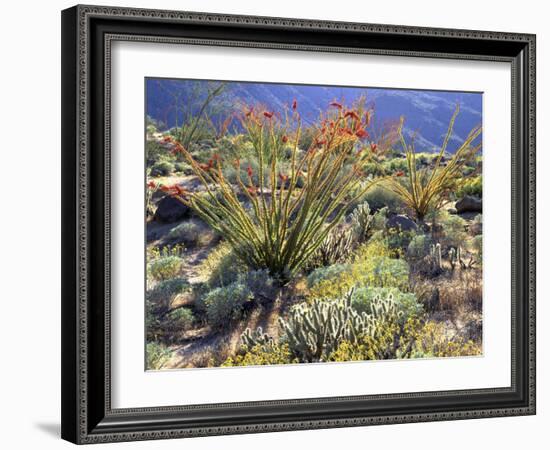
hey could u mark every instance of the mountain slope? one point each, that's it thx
(427, 113)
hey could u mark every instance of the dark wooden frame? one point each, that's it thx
(87, 32)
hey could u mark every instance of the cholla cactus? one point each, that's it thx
(314, 331)
(361, 221)
(435, 253)
(335, 248)
(455, 256)
(251, 338)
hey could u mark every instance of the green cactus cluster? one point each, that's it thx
(250, 339)
(435, 254)
(335, 248)
(361, 221)
(314, 331)
(455, 257)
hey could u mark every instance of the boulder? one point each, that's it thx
(476, 228)
(404, 223)
(468, 204)
(171, 210)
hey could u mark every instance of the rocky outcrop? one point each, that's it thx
(404, 223)
(468, 204)
(171, 210)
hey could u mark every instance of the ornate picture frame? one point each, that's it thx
(88, 33)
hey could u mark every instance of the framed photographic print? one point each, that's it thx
(281, 224)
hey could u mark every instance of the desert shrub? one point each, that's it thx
(379, 219)
(433, 340)
(261, 355)
(372, 266)
(157, 355)
(182, 167)
(380, 196)
(191, 233)
(396, 165)
(152, 321)
(165, 268)
(414, 339)
(374, 169)
(364, 298)
(162, 168)
(419, 246)
(164, 251)
(224, 304)
(375, 267)
(181, 318)
(470, 186)
(260, 283)
(154, 152)
(398, 240)
(387, 341)
(385, 272)
(221, 267)
(454, 231)
(327, 273)
(164, 292)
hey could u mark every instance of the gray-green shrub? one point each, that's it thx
(224, 304)
(162, 168)
(365, 297)
(181, 318)
(165, 268)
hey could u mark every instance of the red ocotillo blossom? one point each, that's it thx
(336, 105)
(352, 114)
(294, 105)
(319, 142)
(178, 148)
(361, 133)
(399, 173)
(207, 167)
(268, 114)
(284, 139)
(180, 190)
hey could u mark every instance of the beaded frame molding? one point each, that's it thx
(87, 35)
